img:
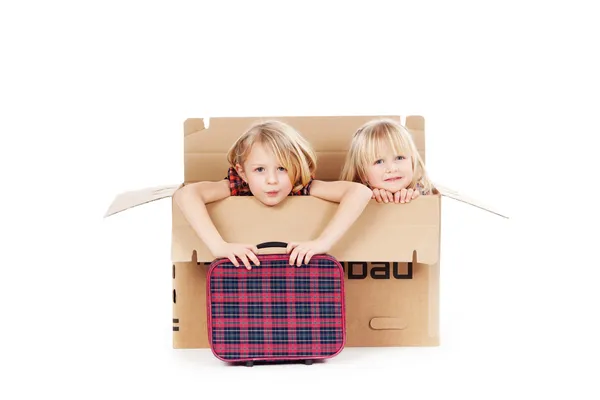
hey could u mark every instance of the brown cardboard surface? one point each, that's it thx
(390, 255)
(401, 310)
(373, 237)
(189, 306)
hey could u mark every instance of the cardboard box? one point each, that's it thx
(391, 255)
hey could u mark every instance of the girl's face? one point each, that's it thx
(267, 179)
(390, 171)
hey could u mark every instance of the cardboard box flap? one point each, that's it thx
(126, 200)
(416, 126)
(447, 192)
(206, 145)
(384, 232)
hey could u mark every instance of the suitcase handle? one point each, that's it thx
(271, 244)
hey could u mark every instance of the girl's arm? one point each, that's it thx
(353, 198)
(192, 200)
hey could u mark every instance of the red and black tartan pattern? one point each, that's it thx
(276, 311)
(237, 186)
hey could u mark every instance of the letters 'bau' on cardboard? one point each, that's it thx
(391, 255)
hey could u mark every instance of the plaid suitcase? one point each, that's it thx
(275, 311)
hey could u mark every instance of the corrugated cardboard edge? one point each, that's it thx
(453, 194)
(126, 200)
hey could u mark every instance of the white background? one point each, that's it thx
(93, 96)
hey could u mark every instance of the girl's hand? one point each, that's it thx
(233, 250)
(303, 252)
(405, 195)
(383, 196)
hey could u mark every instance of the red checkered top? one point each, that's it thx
(422, 190)
(238, 187)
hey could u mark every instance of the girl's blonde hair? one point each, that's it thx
(292, 150)
(367, 141)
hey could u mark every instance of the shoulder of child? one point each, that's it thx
(305, 191)
(422, 190)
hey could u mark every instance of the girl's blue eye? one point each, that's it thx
(400, 158)
(378, 161)
(259, 169)
(282, 169)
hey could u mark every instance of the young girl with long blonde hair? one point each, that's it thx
(271, 161)
(384, 157)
